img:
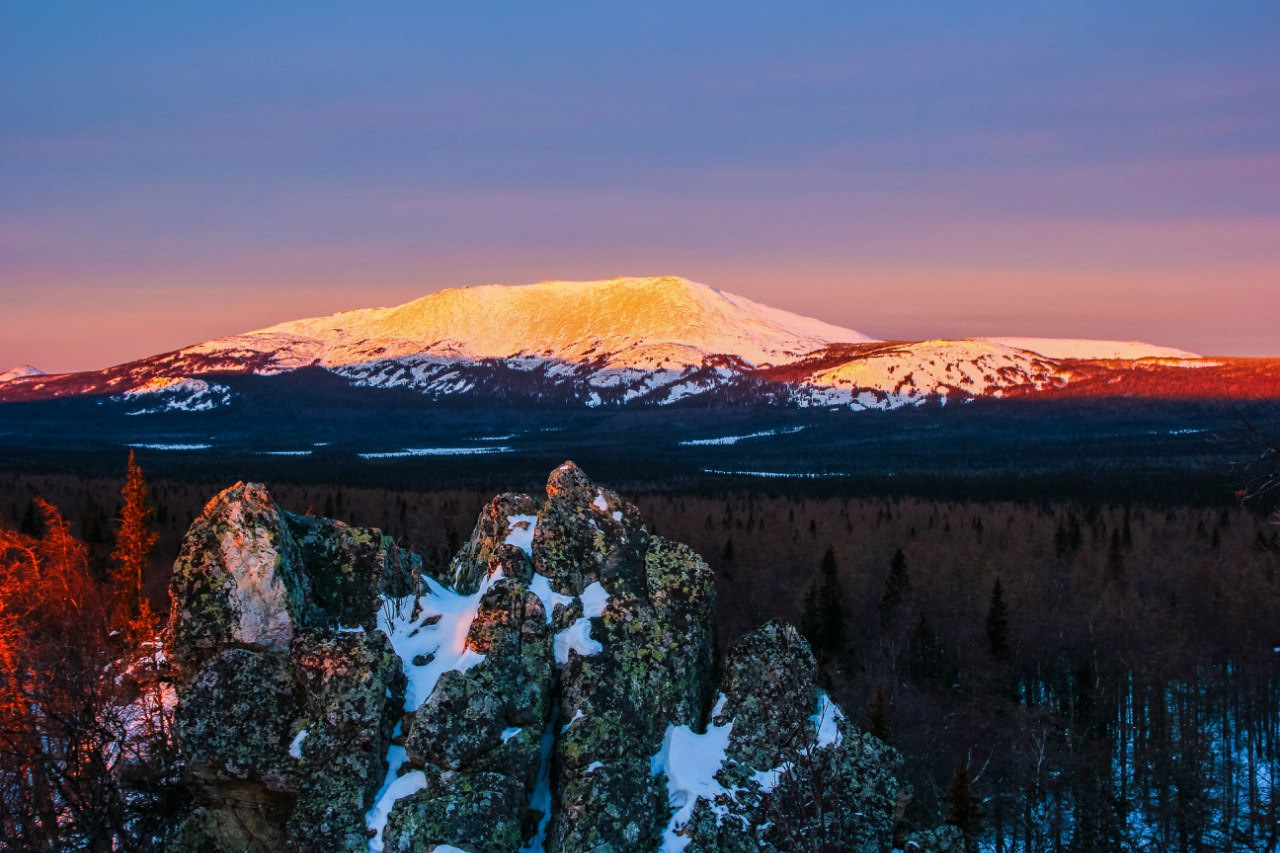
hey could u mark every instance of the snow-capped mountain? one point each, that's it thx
(20, 371)
(613, 342)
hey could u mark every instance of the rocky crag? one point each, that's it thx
(553, 688)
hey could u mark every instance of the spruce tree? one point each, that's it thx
(963, 809)
(998, 625)
(878, 715)
(831, 601)
(134, 543)
(822, 617)
(896, 588)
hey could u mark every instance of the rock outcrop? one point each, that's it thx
(287, 697)
(553, 689)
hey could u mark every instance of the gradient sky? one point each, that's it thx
(172, 172)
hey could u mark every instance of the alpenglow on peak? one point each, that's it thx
(625, 320)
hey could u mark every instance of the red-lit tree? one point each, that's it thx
(134, 543)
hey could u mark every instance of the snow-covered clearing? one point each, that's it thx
(798, 475)
(142, 446)
(434, 451)
(734, 439)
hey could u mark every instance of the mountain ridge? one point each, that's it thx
(621, 341)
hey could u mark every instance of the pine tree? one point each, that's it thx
(134, 543)
(998, 625)
(896, 588)
(831, 601)
(726, 554)
(878, 715)
(822, 617)
(963, 809)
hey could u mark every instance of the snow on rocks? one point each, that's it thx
(690, 761)
(522, 528)
(429, 633)
(538, 697)
(395, 787)
(594, 600)
(295, 746)
(826, 721)
(541, 587)
(576, 638)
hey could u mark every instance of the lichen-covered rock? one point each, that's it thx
(233, 719)
(794, 771)
(350, 569)
(681, 588)
(238, 580)
(613, 805)
(286, 703)
(587, 533)
(506, 517)
(477, 812)
(768, 680)
(353, 689)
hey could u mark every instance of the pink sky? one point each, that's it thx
(1102, 171)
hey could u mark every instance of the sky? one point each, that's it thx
(174, 172)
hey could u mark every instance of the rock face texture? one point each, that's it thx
(553, 688)
(286, 704)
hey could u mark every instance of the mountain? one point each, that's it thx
(552, 688)
(20, 371)
(630, 341)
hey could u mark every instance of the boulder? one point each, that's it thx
(238, 580)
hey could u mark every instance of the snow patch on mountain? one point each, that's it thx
(910, 374)
(1093, 349)
(177, 395)
(20, 372)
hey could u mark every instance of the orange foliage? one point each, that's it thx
(48, 599)
(134, 543)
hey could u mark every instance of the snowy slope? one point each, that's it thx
(642, 323)
(909, 373)
(19, 372)
(1091, 349)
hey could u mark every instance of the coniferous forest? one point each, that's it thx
(1057, 676)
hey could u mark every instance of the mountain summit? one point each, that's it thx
(20, 371)
(627, 322)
